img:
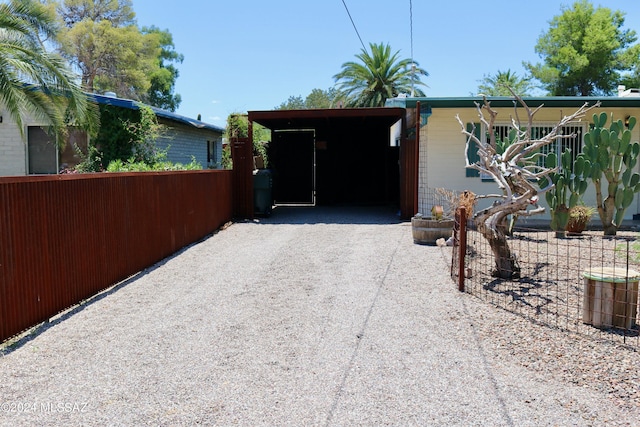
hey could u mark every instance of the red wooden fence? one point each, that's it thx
(65, 238)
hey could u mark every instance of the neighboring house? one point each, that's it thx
(185, 137)
(442, 145)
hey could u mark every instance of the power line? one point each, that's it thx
(354, 25)
(413, 64)
(411, 26)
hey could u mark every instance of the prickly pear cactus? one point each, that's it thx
(613, 157)
(569, 184)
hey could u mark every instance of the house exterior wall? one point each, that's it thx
(13, 148)
(442, 157)
(184, 141)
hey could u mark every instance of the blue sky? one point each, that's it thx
(254, 54)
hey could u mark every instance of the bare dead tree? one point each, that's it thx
(513, 164)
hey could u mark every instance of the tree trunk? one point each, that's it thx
(506, 264)
(610, 230)
(606, 212)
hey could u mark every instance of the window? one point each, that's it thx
(41, 151)
(537, 131)
(45, 158)
(211, 152)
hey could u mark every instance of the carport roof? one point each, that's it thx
(311, 119)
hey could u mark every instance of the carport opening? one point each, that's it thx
(333, 157)
(291, 155)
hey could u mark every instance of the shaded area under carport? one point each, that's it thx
(334, 156)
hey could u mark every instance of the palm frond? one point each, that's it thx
(377, 76)
(33, 80)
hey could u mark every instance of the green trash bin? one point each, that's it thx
(262, 198)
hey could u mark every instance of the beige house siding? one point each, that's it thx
(442, 161)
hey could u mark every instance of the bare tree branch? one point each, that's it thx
(516, 168)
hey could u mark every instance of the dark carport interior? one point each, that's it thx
(333, 156)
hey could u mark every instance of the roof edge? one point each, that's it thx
(505, 101)
(134, 105)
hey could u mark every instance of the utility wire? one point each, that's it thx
(411, 26)
(376, 72)
(413, 64)
(354, 25)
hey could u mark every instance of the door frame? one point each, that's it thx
(313, 168)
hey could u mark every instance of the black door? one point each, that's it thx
(292, 158)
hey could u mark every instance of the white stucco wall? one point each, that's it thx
(442, 161)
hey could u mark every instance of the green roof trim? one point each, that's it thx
(505, 101)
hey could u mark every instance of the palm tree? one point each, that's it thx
(33, 80)
(378, 76)
(499, 84)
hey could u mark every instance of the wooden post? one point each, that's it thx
(610, 297)
(242, 155)
(417, 161)
(462, 248)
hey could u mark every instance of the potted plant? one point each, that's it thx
(428, 229)
(579, 217)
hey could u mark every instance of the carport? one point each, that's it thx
(341, 156)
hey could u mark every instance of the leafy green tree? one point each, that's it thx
(498, 84)
(319, 98)
(33, 80)
(161, 92)
(118, 12)
(378, 75)
(631, 78)
(293, 103)
(118, 59)
(102, 40)
(584, 51)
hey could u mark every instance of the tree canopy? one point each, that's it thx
(498, 84)
(318, 98)
(378, 75)
(118, 59)
(33, 80)
(584, 51)
(102, 40)
(292, 103)
(118, 12)
(163, 79)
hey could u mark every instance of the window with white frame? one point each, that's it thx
(538, 130)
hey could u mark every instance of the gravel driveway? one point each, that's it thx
(311, 317)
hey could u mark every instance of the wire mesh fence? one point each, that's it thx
(585, 283)
(433, 197)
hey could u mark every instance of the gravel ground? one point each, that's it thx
(310, 317)
(551, 294)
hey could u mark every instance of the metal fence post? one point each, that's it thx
(462, 248)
